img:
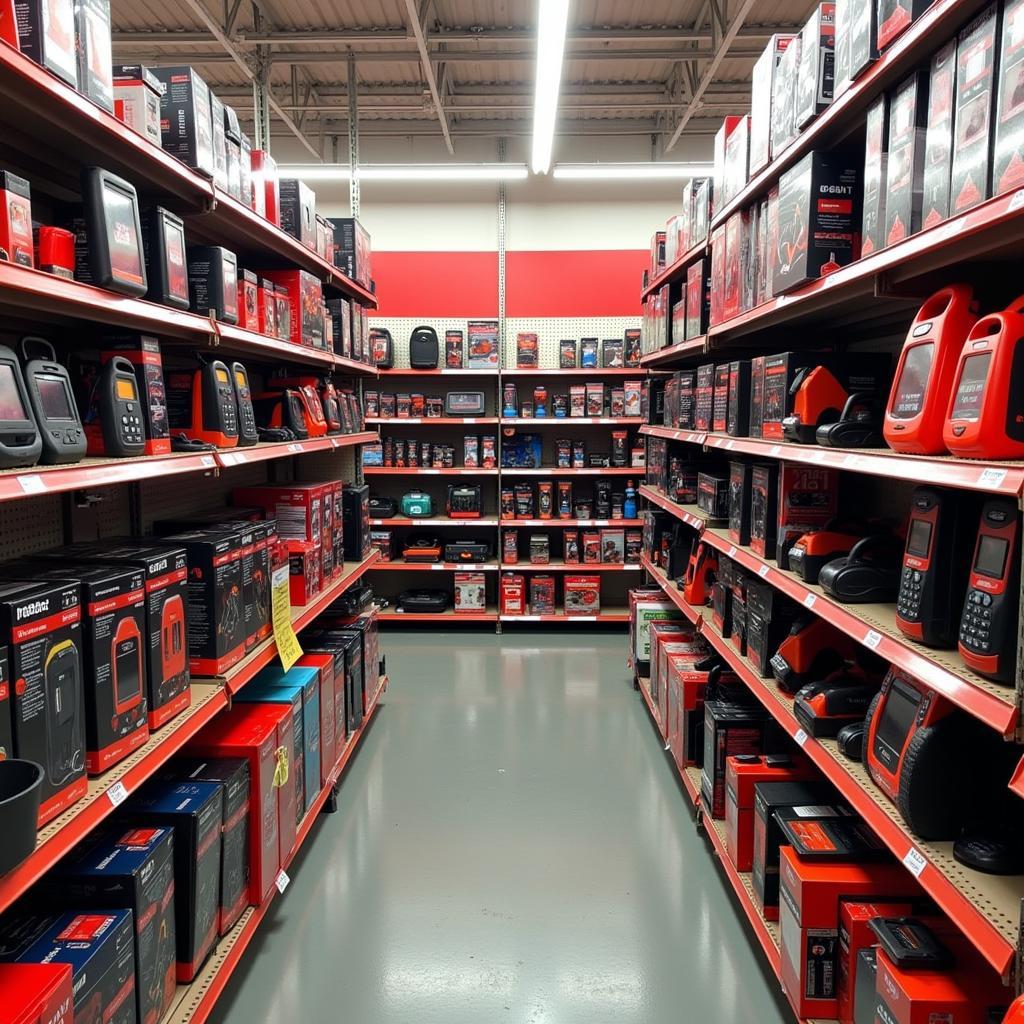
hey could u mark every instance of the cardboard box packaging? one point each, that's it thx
(816, 74)
(722, 195)
(93, 49)
(783, 122)
(938, 147)
(470, 592)
(894, 17)
(875, 173)
(861, 24)
(762, 97)
(37, 993)
(298, 211)
(186, 126)
(720, 406)
(904, 180)
(220, 143)
(1008, 147)
(737, 156)
(46, 34)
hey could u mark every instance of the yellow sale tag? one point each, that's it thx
(281, 610)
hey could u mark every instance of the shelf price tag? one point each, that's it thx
(991, 477)
(762, 571)
(208, 461)
(800, 737)
(914, 862)
(1016, 202)
(229, 458)
(295, 446)
(809, 601)
(32, 483)
(872, 639)
(281, 612)
(775, 451)
(282, 881)
(732, 551)
(117, 794)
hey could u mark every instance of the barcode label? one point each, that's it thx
(800, 737)
(33, 483)
(117, 794)
(991, 477)
(208, 461)
(914, 862)
(732, 552)
(872, 639)
(763, 571)
(809, 601)
(282, 881)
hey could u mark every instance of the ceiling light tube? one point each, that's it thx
(624, 172)
(408, 172)
(552, 21)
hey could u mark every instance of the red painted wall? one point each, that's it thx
(437, 284)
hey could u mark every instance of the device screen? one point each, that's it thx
(240, 380)
(991, 559)
(12, 409)
(967, 404)
(222, 376)
(897, 717)
(920, 537)
(125, 251)
(912, 383)
(53, 394)
(126, 389)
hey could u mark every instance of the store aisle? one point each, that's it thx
(509, 846)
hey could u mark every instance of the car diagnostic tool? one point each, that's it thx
(119, 432)
(201, 404)
(247, 433)
(20, 444)
(988, 625)
(53, 405)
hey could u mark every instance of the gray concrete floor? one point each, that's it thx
(510, 845)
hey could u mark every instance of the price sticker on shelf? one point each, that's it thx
(282, 881)
(295, 447)
(914, 862)
(762, 571)
(775, 451)
(731, 552)
(809, 601)
(208, 461)
(281, 614)
(872, 639)
(991, 477)
(1016, 202)
(430, 472)
(117, 794)
(953, 228)
(229, 458)
(470, 419)
(729, 445)
(800, 737)
(32, 483)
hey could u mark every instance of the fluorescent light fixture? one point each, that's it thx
(408, 172)
(552, 20)
(646, 171)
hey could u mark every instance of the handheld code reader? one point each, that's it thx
(988, 625)
(202, 405)
(935, 564)
(20, 443)
(915, 413)
(247, 433)
(126, 659)
(316, 425)
(280, 413)
(52, 401)
(331, 405)
(986, 411)
(120, 412)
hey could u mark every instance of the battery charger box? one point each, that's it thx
(186, 125)
(298, 508)
(41, 624)
(298, 211)
(894, 17)
(875, 171)
(784, 97)
(213, 282)
(938, 144)
(861, 24)
(163, 244)
(720, 399)
(737, 417)
(810, 893)
(99, 946)
(37, 993)
(6, 733)
(769, 617)
(121, 868)
(974, 106)
(816, 71)
(352, 249)
(1008, 145)
(215, 612)
(194, 811)
(16, 241)
(45, 33)
(739, 501)
(819, 219)
(698, 299)
(729, 730)
(904, 180)
(143, 352)
(220, 147)
(94, 52)
(232, 774)
(713, 495)
(304, 294)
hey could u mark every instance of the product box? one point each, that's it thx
(704, 401)
(93, 49)
(123, 868)
(642, 614)
(42, 624)
(701, 212)
(810, 892)
(304, 295)
(842, 61)
(220, 143)
(819, 216)
(305, 571)
(266, 186)
(248, 301)
(330, 667)
(298, 211)
(298, 508)
(698, 299)
(99, 946)
(737, 156)
(756, 396)
(740, 474)
(186, 127)
(233, 145)
(763, 508)
(632, 340)
(143, 352)
(722, 195)
(732, 298)
(6, 733)
(719, 261)
(595, 399)
(542, 595)
(512, 594)
(905, 174)
(974, 105)
(780, 371)
(713, 495)
(352, 249)
(875, 173)
(453, 349)
(720, 402)
(213, 282)
(613, 546)
(45, 33)
(783, 128)
(482, 340)
(894, 17)
(526, 350)
(632, 393)
(738, 398)
(16, 241)
(613, 353)
(861, 25)
(816, 73)
(567, 354)
(1008, 144)
(37, 993)
(762, 94)
(470, 592)
(588, 353)
(730, 730)
(808, 498)
(938, 146)
(194, 811)
(582, 595)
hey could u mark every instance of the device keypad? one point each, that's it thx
(908, 604)
(131, 425)
(976, 622)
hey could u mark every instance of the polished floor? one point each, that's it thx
(510, 846)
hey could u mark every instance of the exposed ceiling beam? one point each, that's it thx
(728, 38)
(416, 25)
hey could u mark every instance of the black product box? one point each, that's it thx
(698, 299)
(721, 597)
(121, 868)
(938, 146)
(763, 510)
(233, 775)
(730, 730)
(784, 97)
(763, 94)
(905, 175)
(355, 507)
(143, 352)
(6, 733)
(216, 616)
(670, 410)
(213, 282)
(613, 352)
(351, 249)
(704, 399)
(1008, 146)
(816, 74)
(975, 102)
(737, 419)
(194, 810)
(769, 617)
(351, 643)
(713, 495)
(186, 126)
(567, 354)
(780, 372)
(113, 649)
(819, 219)
(700, 217)
(220, 143)
(875, 170)
(93, 48)
(807, 500)
(686, 382)
(861, 22)
(739, 501)
(769, 797)
(298, 211)
(842, 61)
(233, 147)
(46, 35)
(756, 395)
(720, 401)
(740, 582)
(893, 17)
(163, 244)
(100, 947)
(41, 623)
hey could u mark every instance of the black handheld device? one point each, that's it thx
(115, 251)
(52, 400)
(247, 433)
(20, 444)
(120, 412)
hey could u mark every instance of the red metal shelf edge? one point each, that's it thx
(246, 929)
(578, 371)
(643, 685)
(407, 371)
(671, 272)
(618, 616)
(689, 347)
(433, 421)
(572, 522)
(234, 337)
(420, 471)
(354, 367)
(690, 436)
(391, 615)
(573, 421)
(578, 567)
(433, 522)
(694, 519)
(555, 471)
(436, 567)
(286, 449)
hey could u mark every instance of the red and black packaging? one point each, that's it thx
(938, 144)
(213, 282)
(732, 298)
(860, 24)
(756, 396)
(298, 211)
(816, 72)
(46, 34)
(248, 300)
(143, 352)
(875, 171)
(6, 733)
(304, 296)
(54, 250)
(894, 17)
(769, 617)
(738, 405)
(729, 730)
(93, 51)
(975, 103)
(740, 476)
(720, 401)
(763, 91)
(704, 401)
(780, 372)
(267, 316)
(698, 298)
(41, 623)
(713, 495)
(352, 251)
(512, 594)
(16, 241)
(808, 497)
(186, 123)
(542, 595)
(763, 513)
(123, 868)
(454, 349)
(1008, 146)
(819, 219)
(905, 164)
(716, 313)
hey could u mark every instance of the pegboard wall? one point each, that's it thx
(31, 525)
(401, 327)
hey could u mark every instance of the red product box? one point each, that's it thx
(718, 272)
(324, 665)
(16, 243)
(905, 159)
(36, 993)
(681, 653)
(266, 297)
(722, 195)
(248, 300)
(55, 251)
(298, 508)
(266, 184)
(513, 594)
(143, 352)
(875, 171)
(742, 774)
(582, 595)
(763, 91)
(732, 301)
(668, 631)
(305, 571)
(1008, 147)
(810, 895)
(542, 595)
(807, 498)
(737, 156)
(304, 299)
